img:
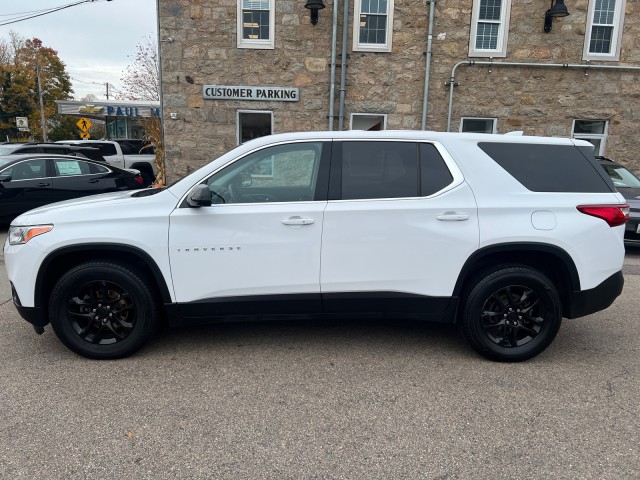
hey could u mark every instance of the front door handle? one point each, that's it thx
(453, 217)
(44, 184)
(298, 221)
(95, 180)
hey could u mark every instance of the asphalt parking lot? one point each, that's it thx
(323, 400)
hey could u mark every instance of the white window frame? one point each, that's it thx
(494, 122)
(372, 47)
(616, 37)
(378, 115)
(587, 136)
(503, 31)
(238, 112)
(257, 44)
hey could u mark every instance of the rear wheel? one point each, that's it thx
(512, 314)
(102, 310)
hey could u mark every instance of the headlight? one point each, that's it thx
(21, 235)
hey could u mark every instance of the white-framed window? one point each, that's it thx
(478, 125)
(253, 124)
(489, 28)
(256, 24)
(604, 30)
(593, 131)
(368, 121)
(372, 25)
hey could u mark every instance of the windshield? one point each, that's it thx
(8, 149)
(622, 178)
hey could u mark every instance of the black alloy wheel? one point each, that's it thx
(512, 314)
(102, 310)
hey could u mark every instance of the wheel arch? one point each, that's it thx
(63, 259)
(551, 260)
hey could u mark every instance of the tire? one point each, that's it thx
(511, 314)
(93, 328)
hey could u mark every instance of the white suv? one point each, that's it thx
(503, 235)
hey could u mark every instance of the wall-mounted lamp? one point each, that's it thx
(168, 40)
(314, 6)
(557, 10)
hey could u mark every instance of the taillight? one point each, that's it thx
(614, 215)
(139, 179)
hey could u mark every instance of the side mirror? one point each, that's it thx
(246, 180)
(5, 178)
(200, 196)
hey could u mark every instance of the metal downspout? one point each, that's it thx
(470, 63)
(427, 68)
(334, 48)
(161, 117)
(343, 65)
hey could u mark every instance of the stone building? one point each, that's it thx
(235, 69)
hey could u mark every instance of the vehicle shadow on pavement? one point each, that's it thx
(321, 335)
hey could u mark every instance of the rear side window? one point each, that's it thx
(379, 170)
(106, 149)
(434, 173)
(548, 168)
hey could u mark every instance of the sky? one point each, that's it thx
(96, 40)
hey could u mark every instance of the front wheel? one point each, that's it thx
(102, 310)
(512, 314)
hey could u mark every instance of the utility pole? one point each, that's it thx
(44, 126)
(107, 84)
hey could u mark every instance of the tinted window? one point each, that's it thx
(105, 148)
(93, 168)
(27, 170)
(548, 168)
(379, 170)
(284, 173)
(434, 173)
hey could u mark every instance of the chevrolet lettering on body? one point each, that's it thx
(227, 92)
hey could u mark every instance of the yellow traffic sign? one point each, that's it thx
(85, 135)
(84, 124)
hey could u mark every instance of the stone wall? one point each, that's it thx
(537, 101)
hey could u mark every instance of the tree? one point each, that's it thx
(140, 78)
(20, 60)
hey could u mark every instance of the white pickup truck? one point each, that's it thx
(124, 153)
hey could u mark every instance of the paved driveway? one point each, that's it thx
(343, 400)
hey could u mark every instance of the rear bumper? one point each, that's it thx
(586, 302)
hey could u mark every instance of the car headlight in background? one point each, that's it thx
(21, 235)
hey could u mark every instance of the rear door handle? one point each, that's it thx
(298, 221)
(95, 180)
(453, 217)
(44, 184)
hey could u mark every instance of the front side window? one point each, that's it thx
(283, 173)
(604, 30)
(373, 25)
(256, 22)
(593, 131)
(27, 170)
(489, 28)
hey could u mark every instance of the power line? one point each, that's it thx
(46, 12)
(21, 13)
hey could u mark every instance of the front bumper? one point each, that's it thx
(34, 315)
(586, 302)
